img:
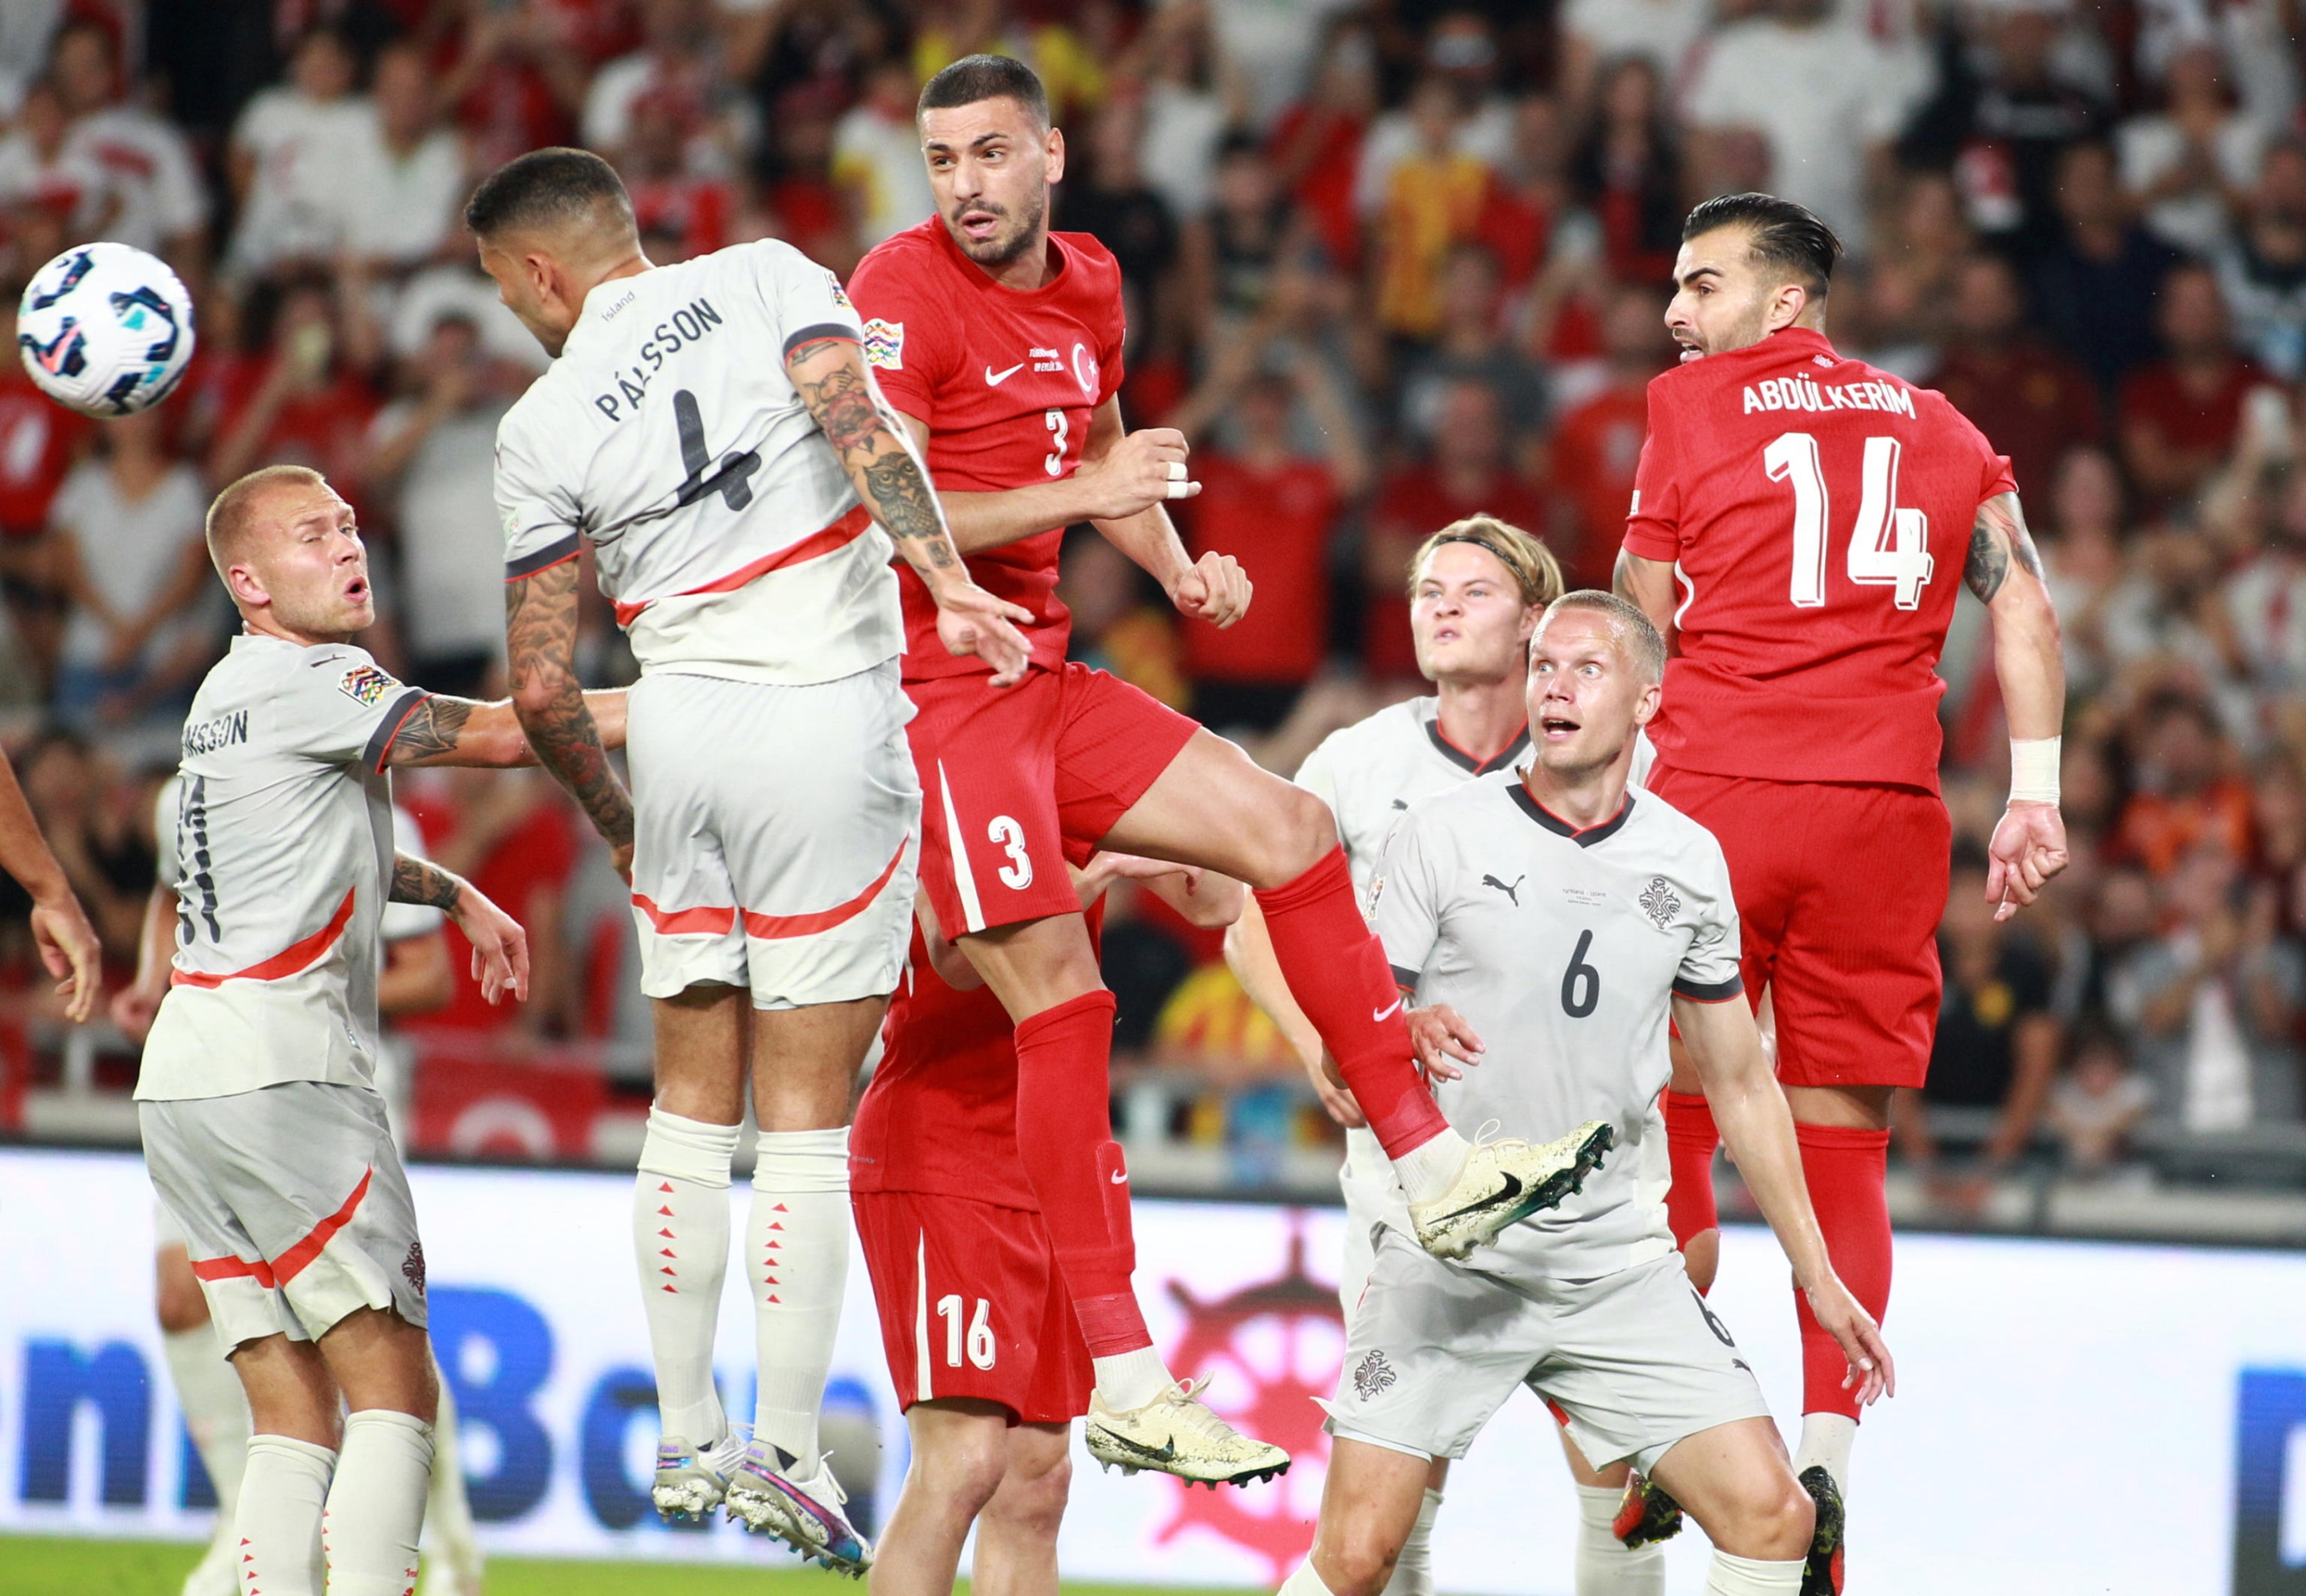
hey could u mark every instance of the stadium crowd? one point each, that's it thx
(1388, 263)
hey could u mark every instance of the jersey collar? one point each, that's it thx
(1465, 762)
(1560, 827)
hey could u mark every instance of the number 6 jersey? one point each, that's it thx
(668, 437)
(1817, 512)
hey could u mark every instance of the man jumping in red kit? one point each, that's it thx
(1000, 343)
(1800, 517)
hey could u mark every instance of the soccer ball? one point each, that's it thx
(105, 329)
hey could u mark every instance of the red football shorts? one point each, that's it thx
(1839, 890)
(1018, 781)
(971, 1304)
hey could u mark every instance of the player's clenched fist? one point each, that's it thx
(499, 946)
(1145, 468)
(1216, 590)
(972, 621)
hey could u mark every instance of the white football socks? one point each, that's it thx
(448, 1513)
(1128, 1380)
(215, 1409)
(1606, 1565)
(376, 1503)
(1827, 1439)
(680, 1243)
(282, 1491)
(797, 1259)
(1413, 1570)
(1753, 1576)
(1305, 1582)
(1432, 1167)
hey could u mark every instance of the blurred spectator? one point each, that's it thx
(406, 177)
(2033, 403)
(1597, 443)
(2188, 796)
(2180, 414)
(1997, 1040)
(876, 156)
(1526, 219)
(2189, 166)
(2209, 1007)
(312, 406)
(2095, 290)
(1999, 131)
(1627, 170)
(508, 833)
(1116, 626)
(1113, 202)
(1597, 36)
(678, 214)
(88, 816)
(41, 169)
(434, 463)
(132, 561)
(145, 160)
(1185, 107)
(1430, 201)
(1470, 346)
(2097, 1101)
(39, 439)
(516, 77)
(1453, 111)
(1277, 509)
(1070, 47)
(804, 207)
(1468, 471)
(1852, 101)
(1316, 145)
(2266, 594)
(2263, 275)
(1231, 250)
(290, 152)
(2082, 559)
(1268, 47)
(673, 64)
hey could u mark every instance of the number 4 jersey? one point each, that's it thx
(668, 436)
(1817, 512)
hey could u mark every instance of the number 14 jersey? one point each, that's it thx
(1817, 512)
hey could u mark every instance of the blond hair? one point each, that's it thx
(232, 511)
(1644, 645)
(1528, 561)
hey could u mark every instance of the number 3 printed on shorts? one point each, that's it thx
(1016, 874)
(982, 1348)
(1888, 546)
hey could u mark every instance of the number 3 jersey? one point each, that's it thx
(1817, 512)
(283, 859)
(1562, 948)
(668, 436)
(1007, 382)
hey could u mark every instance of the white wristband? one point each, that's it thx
(2034, 769)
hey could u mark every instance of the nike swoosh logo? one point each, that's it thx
(1510, 1191)
(1121, 1177)
(994, 378)
(1384, 1014)
(1166, 1454)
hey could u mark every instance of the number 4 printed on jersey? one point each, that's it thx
(1889, 546)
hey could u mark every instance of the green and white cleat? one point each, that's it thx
(1504, 1182)
(690, 1482)
(1177, 1433)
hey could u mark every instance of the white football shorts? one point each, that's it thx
(293, 1204)
(776, 830)
(1634, 1362)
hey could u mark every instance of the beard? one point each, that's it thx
(1011, 241)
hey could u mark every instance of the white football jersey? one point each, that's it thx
(400, 921)
(283, 843)
(668, 436)
(1562, 948)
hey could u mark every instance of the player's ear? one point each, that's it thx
(1787, 305)
(1053, 154)
(1645, 707)
(247, 588)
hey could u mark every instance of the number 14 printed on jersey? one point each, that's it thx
(1889, 546)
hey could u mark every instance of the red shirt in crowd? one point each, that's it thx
(1277, 523)
(698, 211)
(38, 440)
(1414, 504)
(532, 859)
(1329, 145)
(2031, 400)
(1595, 448)
(2155, 398)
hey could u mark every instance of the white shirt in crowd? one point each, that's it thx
(129, 550)
(451, 544)
(70, 179)
(401, 207)
(1662, 33)
(2151, 147)
(149, 166)
(883, 159)
(302, 148)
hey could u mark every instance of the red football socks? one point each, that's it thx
(1845, 1169)
(1064, 1138)
(1338, 972)
(1690, 1139)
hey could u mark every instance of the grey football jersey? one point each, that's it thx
(1562, 948)
(1370, 773)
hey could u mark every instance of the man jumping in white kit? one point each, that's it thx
(263, 1130)
(710, 431)
(1566, 918)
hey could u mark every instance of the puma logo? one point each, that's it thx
(1513, 892)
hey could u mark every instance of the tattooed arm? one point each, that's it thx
(499, 946)
(445, 730)
(541, 642)
(878, 452)
(2028, 845)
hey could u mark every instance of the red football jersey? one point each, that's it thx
(940, 1113)
(1006, 382)
(1818, 513)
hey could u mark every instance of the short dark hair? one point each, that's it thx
(1784, 234)
(973, 77)
(546, 188)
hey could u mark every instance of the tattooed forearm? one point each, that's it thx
(414, 881)
(541, 642)
(903, 502)
(433, 728)
(870, 439)
(1996, 538)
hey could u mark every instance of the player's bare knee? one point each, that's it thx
(963, 1472)
(178, 1303)
(1294, 837)
(1772, 1518)
(1032, 1501)
(1357, 1559)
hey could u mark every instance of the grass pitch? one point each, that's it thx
(52, 1566)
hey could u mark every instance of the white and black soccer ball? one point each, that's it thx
(105, 329)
